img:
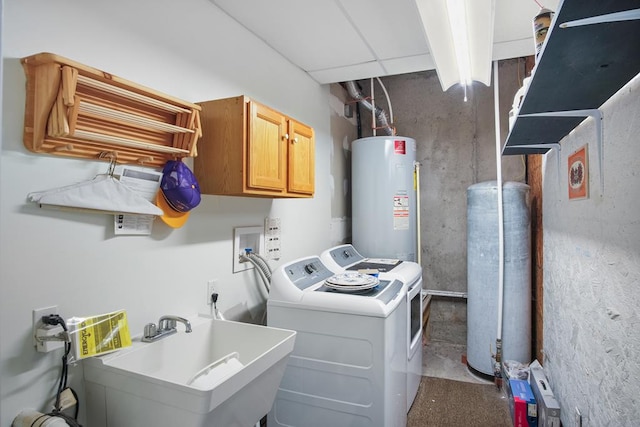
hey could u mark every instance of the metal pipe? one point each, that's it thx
(451, 294)
(382, 119)
(373, 110)
(416, 177)
(386, 94)
(496, 104)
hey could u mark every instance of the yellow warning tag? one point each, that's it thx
(92, 336)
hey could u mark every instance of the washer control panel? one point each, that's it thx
(345, 255)
(307, 272)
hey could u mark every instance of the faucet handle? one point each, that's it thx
(166, 324)
(150, 330)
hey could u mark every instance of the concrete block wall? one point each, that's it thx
(592, 272)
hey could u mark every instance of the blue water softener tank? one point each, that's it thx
(384, 197)
(482, 274)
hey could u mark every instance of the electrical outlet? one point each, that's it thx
(246, 238)
(273, 247)
(272, 225)
(37, 314)
(272, 238)
(211, 289)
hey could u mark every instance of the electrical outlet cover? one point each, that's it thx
(211, 288)
(272, 228)
(37, 314)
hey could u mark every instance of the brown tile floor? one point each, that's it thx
(450, 395)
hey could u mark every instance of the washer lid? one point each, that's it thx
(380, 264)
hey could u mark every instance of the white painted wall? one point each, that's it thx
(188, 49)
(592, 272)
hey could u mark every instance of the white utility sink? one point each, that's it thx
(222, 374)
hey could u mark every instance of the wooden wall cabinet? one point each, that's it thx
(249, 149)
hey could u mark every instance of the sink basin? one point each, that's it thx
(224, 373)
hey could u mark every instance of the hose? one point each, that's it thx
(264, 263)
(259, 268)
(264, 271)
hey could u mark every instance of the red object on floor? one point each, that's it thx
(523, 406)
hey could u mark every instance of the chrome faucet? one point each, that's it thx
(166, 326)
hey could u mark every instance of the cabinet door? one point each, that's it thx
(301, 158)
(266, 148)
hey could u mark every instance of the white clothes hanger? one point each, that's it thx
(102, 194)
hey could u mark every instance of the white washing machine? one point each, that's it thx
(347, 258)
(347, 367)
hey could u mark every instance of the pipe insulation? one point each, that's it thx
(380, 115)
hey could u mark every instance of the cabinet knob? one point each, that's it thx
(286, 136)
(295, 140)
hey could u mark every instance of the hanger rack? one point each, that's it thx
(74, 110)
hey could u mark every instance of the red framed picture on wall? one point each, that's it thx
(578, 174)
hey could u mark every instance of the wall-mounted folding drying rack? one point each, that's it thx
(77, 111)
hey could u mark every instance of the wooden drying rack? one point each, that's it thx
(77, 111)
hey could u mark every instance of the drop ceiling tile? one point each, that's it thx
(408, 64)
(513, 49)
(339, 40)
(392, 30)
(311, 34)
(514, 19)
(350, 72)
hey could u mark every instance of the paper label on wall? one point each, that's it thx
(146, 183)
(400, 212)
(400, 147)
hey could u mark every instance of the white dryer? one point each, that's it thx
(347, 367)
(347, 258)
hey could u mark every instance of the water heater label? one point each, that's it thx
(400, 147)
(400, 212)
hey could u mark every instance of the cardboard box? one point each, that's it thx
(522, 403)
(548, 407)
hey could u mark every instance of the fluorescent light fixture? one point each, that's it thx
(460, 37)
(458, 25)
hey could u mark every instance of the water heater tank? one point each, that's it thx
(482, 274)
(384, 197)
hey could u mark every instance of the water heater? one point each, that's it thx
(384, 197)
(483, 279)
